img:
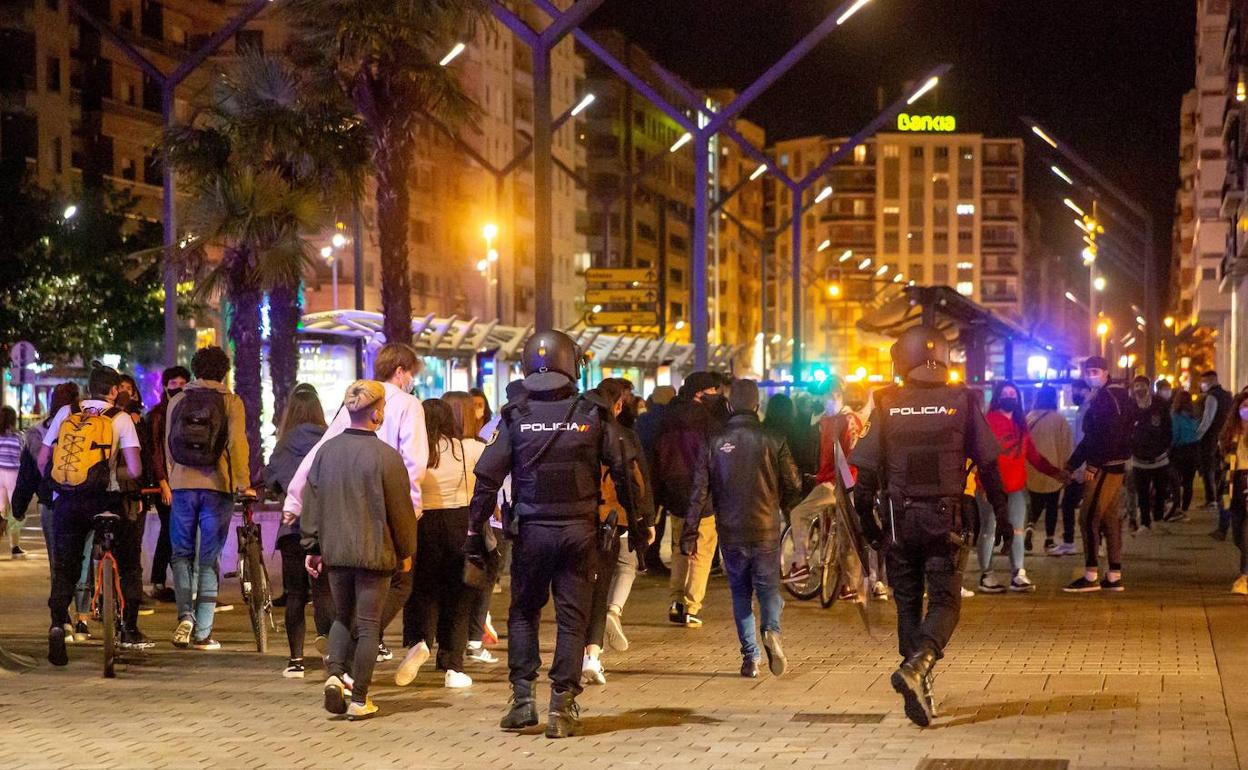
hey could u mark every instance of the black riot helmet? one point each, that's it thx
(921, 354)
(551, 351)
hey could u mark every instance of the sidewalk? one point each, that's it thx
(1151, 678)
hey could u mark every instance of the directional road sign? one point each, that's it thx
(621, 275)
(613, 318)
(621, 296)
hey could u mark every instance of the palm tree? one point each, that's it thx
(384, 55)
(264, 162)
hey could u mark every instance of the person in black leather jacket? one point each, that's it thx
(747, 477)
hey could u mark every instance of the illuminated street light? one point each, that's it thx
(898, 278)
(855, 8)
(597, 308)
(1072, 298)
(339, 240)
(758, 172)
(846, 255)
(489, 232)
(883, 271)
(834, 290)
(1081, 225)
(864, 264)
(1169, 321)
(827, 244)
(491, 255)
(928, 86)
(775, 339)
(1099, 283)
(679, 325)
(1102, 328)
(580, 107)
(1047, 139)
(1061, 175)
(824, 194)
(327, 252)
(482, 265)
(684, 139)
(450, 56)
(1074, 207)
(1139, 319)
(1089, 255)
(70, 211)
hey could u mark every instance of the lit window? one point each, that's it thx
(966, 209)
(860, 154)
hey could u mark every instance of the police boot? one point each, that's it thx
(910, 681)
(523, 711)
(563, 721)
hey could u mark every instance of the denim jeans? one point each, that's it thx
(753, 570)
(1017, 504)
(206, 513)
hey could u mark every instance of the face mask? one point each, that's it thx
(171, 392)
(1165, 394)
(1204, 387)
(1099, 382)
(1243, 413)
(1007, 404)
(1077, 399)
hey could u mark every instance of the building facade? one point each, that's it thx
(924, 206)
(1233, 269)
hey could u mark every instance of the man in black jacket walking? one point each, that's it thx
(747, 477)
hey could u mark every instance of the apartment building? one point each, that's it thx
(1233, 268)
(923, 204)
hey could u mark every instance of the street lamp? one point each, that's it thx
(455, 51)
(489, 269)
(1102, 329)
(1099, 283)
(70, 211)
(327, 254)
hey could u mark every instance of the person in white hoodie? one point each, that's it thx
(395, 366)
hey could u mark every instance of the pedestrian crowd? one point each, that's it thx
(398, 509)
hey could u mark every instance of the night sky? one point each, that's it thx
(1107, 76)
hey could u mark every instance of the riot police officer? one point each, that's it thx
(553, 442)
(921, 434)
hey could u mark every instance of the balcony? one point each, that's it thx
(1234, 268)
(1232, 189)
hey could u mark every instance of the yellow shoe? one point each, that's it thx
(1240, 586)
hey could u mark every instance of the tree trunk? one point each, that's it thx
(393, 165)
(284, 313)
(244, 332)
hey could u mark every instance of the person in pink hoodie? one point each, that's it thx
(1005, 418)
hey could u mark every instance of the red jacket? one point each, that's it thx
(1017, 449)
(844, 428)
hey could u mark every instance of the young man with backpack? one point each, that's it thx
(84, 448)
(172, 381)
(206, 459)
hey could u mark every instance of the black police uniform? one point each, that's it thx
(553, 442)
(916, 448)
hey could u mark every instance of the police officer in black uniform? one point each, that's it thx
(916, 448)
(553, 442)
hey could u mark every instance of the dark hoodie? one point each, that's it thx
(682, 439)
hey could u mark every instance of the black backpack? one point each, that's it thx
(198, 428)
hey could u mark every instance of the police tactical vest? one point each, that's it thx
(563, 483)
(924, 439)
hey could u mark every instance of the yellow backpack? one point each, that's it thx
(84, 447)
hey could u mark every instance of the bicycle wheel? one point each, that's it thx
(257, 593)
(808, 588)
(830, 577)
(108, 614)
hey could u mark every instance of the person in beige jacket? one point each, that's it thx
(1052, 435)
(203, 493)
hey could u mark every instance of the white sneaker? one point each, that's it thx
(182, 634)
(416, 656)
(880, 591)
(967, 593)
(592, 671)
(480, 654)
(616, 639)
(457, 680)
(989, 584)
(1062, 549)
(1020, 584)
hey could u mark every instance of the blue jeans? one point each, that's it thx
(206, 513)
(1017, 504)
(753, 569)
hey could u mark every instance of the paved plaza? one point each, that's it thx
(1152, 678)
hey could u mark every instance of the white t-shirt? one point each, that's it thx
(124, 434)
(450, 485)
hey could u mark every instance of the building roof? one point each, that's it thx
(454, 337)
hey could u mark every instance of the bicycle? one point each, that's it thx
(254, 576)
(107, 601)
(825, 547)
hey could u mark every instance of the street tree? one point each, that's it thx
(77, 286)
(385, 57)
(264, 163)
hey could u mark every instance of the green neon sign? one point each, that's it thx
(941, 123)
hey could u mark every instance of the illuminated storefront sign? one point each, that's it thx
(941, 123)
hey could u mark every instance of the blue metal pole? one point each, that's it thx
(697, 295)
(797, 288)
